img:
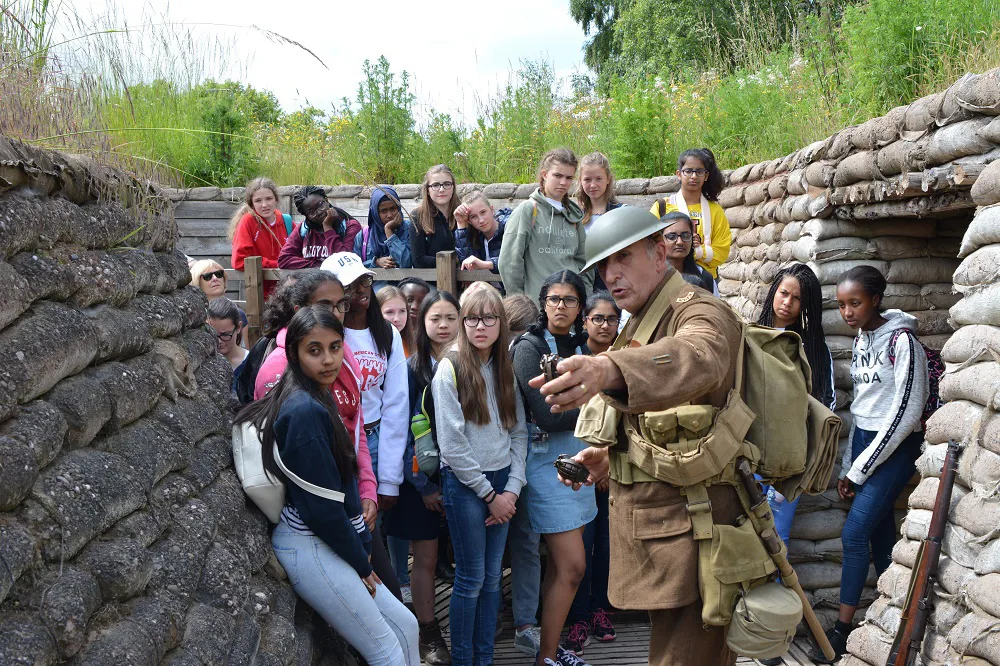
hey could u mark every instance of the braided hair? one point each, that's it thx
(306, 191)
(809, 325)
(573, 280)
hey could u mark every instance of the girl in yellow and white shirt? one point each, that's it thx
(701, 183)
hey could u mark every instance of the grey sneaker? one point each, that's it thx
(528, 641)
(406, 594)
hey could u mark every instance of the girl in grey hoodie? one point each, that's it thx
(891, 387)
(545, 234)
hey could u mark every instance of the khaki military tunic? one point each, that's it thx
(654, 557)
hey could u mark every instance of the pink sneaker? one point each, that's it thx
(601, 626)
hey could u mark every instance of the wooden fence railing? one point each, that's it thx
(445, 276)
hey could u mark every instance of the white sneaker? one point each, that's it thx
(567, 658)
(528, 641)
(407, 596)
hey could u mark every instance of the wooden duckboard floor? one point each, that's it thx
(630, 648)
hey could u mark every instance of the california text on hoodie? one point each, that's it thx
(303, 431)
(470, 449)
(540, 240)
(307, 248)
(889, 398)
(345, 390)
(396, 246)
(424, 247)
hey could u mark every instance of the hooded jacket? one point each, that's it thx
(397, 246)
(307, 247)
(540, 240)
(488, 251)
(889, 398)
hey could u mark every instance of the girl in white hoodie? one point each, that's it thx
(891, 387)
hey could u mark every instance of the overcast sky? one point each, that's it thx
(454, 50)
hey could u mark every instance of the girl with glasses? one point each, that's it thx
(325, 544)
(314, 287)
(434, 220)
(680, 233)
(224, 318)
(545, 234)
(557, 515)
(378, 349)
(482, 439)
(701, 183)
(326, 230)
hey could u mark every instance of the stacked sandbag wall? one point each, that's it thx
(125, 537)
(894, 193)
(966, 617)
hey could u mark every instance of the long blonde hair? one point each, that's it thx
(427, 209)
(550, 159)
(597, 159)
(252, 187)
(467, 363)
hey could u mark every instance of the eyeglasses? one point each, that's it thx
(321, 207)
(441, 186)
(221, 274)
(601, 320)
(226, 336)
(489, 321)
(554, 301)
(694, 172)
(362, 283)
(673, 236)
(343, 306)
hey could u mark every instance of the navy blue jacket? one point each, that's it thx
(463, 242)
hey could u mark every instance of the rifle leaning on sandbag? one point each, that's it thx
(916, 611)
(775, 548)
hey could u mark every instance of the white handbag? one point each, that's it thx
(267, 492)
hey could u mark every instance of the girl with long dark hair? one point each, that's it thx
(324, 544)
(555, 514)
(680, 232)
(416, 518)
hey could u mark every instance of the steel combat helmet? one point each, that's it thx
(617, 229)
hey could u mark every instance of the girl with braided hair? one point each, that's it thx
(795, 303)
(326, 230)
(558, 516)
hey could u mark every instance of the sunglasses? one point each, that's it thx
(221, 274)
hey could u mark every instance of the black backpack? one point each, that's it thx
(251, 366)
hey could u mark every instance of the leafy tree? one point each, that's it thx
(597, 16)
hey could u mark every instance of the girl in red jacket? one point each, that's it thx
(259, 229)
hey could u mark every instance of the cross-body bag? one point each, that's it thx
(266, 491)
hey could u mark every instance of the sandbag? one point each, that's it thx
(979, 93)
(901, 156)
(978, 307)
(808, 249)
(855, 168)
(792, 231)
(978, 383)
(938, 296)
(829, 272)
(841, 346)
(833, 228)
(739, 217)
(932, 322)
(921, 271)
(984, 593)
(977, 635)
(972, 340)
(958, 542)
(979, 268)
(978, 515)
(986, 189)
(983, 230)
(871, 642)
(958, 140)
(988, 561)
(953, 420)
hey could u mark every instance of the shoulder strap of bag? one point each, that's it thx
(305, 485)
(288, 223)
(661, 207)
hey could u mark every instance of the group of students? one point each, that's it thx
(364, 364)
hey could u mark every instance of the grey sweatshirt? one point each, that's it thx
(469, 449)
(889, 398)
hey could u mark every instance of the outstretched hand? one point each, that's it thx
(580, 379)
(595, 460)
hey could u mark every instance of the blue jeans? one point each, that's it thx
(870, 519)
(380, 628)
(399, 555)
(475, 596)
(525, 567)
(373, 447)
(593, 591)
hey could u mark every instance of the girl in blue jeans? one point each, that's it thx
(483, 442)
(323, 543)
(891, 387)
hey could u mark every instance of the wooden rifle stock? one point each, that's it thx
(913, 621)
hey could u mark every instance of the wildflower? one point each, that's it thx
(919, 28)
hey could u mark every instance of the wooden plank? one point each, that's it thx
(478, 276)
(202, 227)
(203, 245)
(447, 269)
(205, 210)
(255, 298)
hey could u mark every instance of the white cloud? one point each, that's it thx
(454, 50)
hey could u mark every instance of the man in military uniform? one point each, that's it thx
(654, 555)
